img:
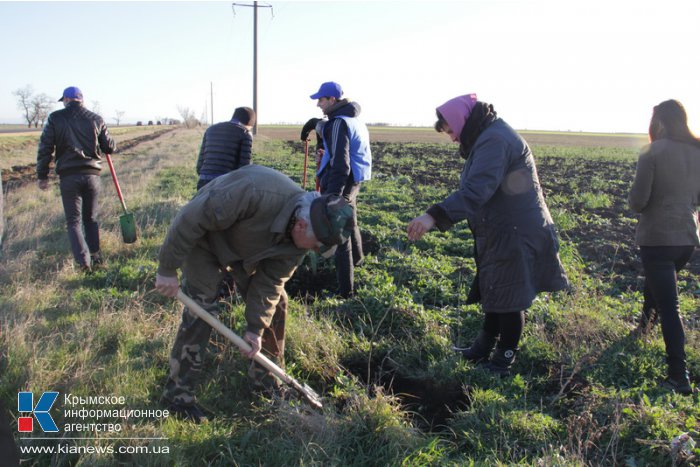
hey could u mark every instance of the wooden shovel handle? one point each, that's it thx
(306, 162)
(116, 182)
(194, 307)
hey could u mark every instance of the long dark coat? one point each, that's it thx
(516, 243)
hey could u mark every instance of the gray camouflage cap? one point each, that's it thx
(331, 220)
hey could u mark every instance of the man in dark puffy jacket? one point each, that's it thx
(226, 146)
(346, 161)
(78, 138)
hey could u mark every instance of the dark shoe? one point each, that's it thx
(187, 412)
(679, 385)
(96, 260)
(501, 361)
(480, 349)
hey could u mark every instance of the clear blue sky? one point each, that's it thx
(549, 65)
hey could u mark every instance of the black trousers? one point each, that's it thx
(509, 326)
(349, 254)
(661, 265)
(80, 194)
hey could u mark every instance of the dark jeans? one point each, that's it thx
(80, 194)
(661, 265)
(509, 326)
(349, 254)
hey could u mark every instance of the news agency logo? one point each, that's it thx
(25, 403)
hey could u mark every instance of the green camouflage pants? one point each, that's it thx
(193, 337)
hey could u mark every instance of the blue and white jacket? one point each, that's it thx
(347, 157)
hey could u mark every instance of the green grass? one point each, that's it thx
(583, 392)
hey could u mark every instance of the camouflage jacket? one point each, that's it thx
(240, 219)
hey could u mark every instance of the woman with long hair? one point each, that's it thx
(666, 191)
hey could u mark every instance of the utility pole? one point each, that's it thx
(211, 89)
(255, 66)
(255, 7)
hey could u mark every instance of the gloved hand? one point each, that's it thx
(308, 126)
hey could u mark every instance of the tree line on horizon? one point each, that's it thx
(37, 107)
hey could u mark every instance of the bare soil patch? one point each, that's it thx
(429, 135)
(604, 237)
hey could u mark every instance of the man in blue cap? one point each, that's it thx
(78, 138)
(346, 161)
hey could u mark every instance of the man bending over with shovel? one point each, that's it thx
(258, 223)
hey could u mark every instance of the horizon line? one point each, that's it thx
(377, 125)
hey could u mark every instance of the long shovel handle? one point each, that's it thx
(304, 390)
(116, 182)
(318, 180)
(306, 161)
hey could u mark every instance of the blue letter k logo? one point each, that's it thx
(25, 403)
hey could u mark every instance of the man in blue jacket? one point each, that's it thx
(346, 161)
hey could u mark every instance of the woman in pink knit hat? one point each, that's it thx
(515, 243)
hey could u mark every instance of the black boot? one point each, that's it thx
(501, 361)
(480, 349)
(678, 379)
(680, 385)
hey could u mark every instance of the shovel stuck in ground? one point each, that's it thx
(126, 220)
(304, 390)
